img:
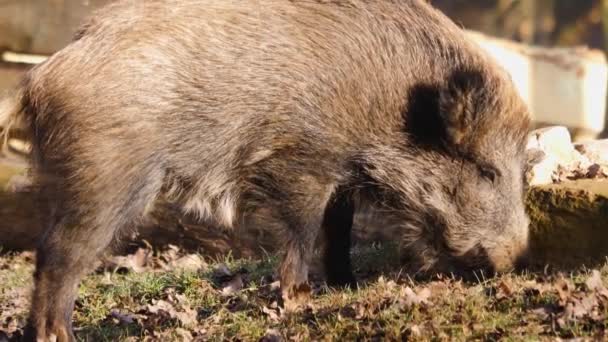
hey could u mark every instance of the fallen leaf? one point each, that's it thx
(594, 282)
(233, 286)
(564, 288)
(476, 327)
(136, 262)
(275, 285)
(543, 312)
(274, 314)
(122, 318)
(438, 287)
(190, 262)
(424, 295)
(503, 290)
(160, 305)
(222, 271)
(391, 284)
(185, 315)
(171, 253)
(410, 298)
(184, 335)
(578, 308)
(415, 330)
(272, 335)
(347, 312)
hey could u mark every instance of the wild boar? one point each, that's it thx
(289, 111)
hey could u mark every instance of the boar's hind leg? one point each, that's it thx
(82, 229)
(337, 226)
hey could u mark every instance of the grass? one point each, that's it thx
(230, 299)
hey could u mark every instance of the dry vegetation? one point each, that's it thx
(171, 296)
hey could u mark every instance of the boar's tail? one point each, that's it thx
(11, 116)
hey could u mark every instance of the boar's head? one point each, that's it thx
(465, 209)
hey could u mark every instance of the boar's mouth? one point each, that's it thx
(474, 265)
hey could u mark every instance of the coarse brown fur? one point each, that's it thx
(283, 112)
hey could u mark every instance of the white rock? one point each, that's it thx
(596, 151)
(543, 172)
(533, 142)
(559, 155)
(561, 86)
(556, 141)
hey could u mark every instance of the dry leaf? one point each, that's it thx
(122, 318)
(185, 315)
(274, 314)
(272, 335)
(275, 285)
(415, 330)
(543, 312)
(410, 298)
(184, 335)
(233, 286)
(160, 305)
(503, 290)
(438, 287)
(137, 262)
(221, 271)
(594, 282)
(564, 288)
(347, 312)
(190, 262)
(424, 295)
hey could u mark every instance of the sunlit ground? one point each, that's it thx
(170, 296)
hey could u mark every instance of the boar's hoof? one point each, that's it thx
(295, 296)
(59, 333)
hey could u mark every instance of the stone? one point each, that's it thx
(543, 171)
(560, 85)
(552, 157)
(556, 141)
(596, 151)
(568, 223)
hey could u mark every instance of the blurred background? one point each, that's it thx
(542, 22)
(43, 26)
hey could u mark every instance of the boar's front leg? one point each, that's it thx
(299, 213)
(337, 226)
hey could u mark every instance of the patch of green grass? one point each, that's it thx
(389, 305)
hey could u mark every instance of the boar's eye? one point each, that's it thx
(488, 173)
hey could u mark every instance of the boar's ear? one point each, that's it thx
(461, 101)
(423, 123)
(446, 114)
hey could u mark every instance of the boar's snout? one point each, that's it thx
(509, 251)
